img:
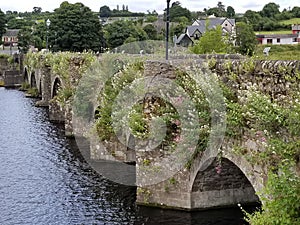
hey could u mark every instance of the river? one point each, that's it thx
(45, 180)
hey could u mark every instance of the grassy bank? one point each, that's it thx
(275, 32)
(279, 52)
(291, 21)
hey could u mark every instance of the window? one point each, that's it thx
(269, 41)
(278, 40)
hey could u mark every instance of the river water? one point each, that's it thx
(45, 180)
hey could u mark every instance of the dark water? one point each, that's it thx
(45, 180)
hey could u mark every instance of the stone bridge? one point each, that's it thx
(226, 180)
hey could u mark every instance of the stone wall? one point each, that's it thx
(12, 78)
(238, 181)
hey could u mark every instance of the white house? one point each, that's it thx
(277, 39)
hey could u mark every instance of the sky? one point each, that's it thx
(143, 5)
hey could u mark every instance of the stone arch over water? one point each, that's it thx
(221, 183)
(26, 77)
(33, 83)
(57, 83)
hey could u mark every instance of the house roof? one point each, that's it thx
(190, 30)
(181, 37)
(215, 21)
(277, 35)
(11, 33)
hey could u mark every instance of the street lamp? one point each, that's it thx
(167, 29)
(48, 22)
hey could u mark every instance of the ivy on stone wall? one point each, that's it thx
(68, 66)
(269, 122)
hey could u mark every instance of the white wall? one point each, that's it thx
(283, 41)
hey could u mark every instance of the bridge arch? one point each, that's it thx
(56, 84)
(33, 83)
(228, 180)
(26, 77)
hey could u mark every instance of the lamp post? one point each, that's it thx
(167, 28)
(48, 22)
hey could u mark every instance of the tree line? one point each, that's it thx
(74, 27)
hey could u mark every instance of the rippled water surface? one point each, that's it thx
(45, 180)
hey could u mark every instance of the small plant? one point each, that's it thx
(172, 181)
(146, 162)
(145, 193)
(33, 92)
(24, 86)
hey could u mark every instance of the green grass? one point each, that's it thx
(279, 52)
(291, 21)
(275, 32)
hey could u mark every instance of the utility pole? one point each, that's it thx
(167, 29)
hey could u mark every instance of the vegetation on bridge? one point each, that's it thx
(68, 66)
(270, 121)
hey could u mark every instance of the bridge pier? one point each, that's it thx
(44, 84)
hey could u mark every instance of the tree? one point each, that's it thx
(230, 12)
(74, 27)
(117, 32)
(296, 11)
(211, 41)
(150, 31)
(245, 39)
(178, 29)
(105, 11)
(2, 24)
(270, 10)
(37, 10)
(24, 39)
(177, 11)
(221, 7)
(253, 18)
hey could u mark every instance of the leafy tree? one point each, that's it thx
(211, 41)
(24, 39)
(150, 31)
(218, 11)
(253, 18)
(116, 33)
(177, 11)
(151, 19)
(270, 10)
(74, 27)
(2, 24)
(245, 39)
(16, 23)
(296, 11)
(230, 12)
(37, 10)
(105, 11)
(221, 7)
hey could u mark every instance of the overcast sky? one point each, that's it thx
(142, 5)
